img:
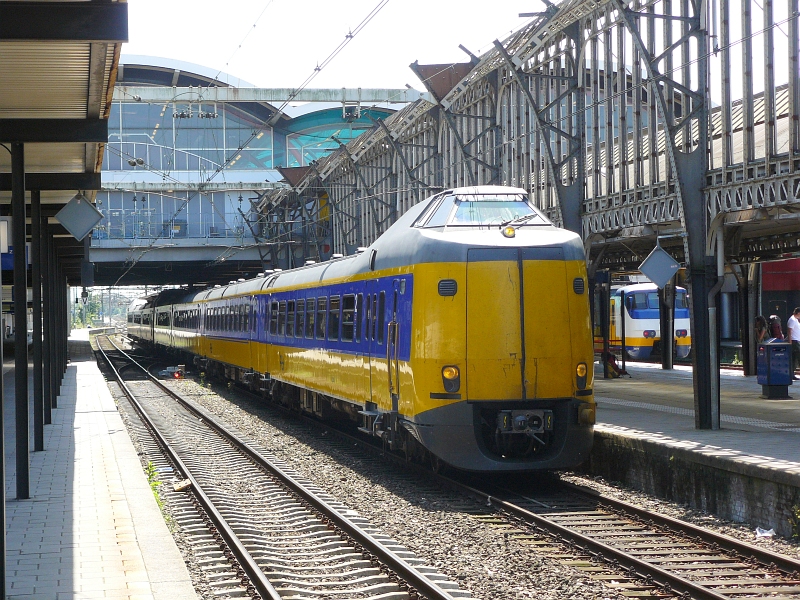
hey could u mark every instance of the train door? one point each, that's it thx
(377, 333)
(548, 336)
(494, 324)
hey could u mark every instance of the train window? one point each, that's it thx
(636, 300)
(322, 305)
(652, 299)
(246, 317)
(374, 315)
(348, 317)
(290, 318)
(282, 318)
(300, 330)
(426, 214)
(310, 308)
(442, 214)
(333, 318)
(359, 310)
(494, 210)
(381, 316)
(680, 300)
(368, 320)
(273, 318)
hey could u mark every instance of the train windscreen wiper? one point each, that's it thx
(519, 220)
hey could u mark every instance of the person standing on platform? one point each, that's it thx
(775, 329)
(793, 325)
(761, 329)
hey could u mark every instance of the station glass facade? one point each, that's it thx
(175, 170)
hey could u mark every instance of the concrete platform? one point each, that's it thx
(747, 471)
(92, 528)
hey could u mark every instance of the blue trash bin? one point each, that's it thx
(775, 368)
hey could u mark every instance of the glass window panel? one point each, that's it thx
(301, 314)
(310, 309)
(348, 317)
(322, 305)
(290, 318)
(333, 318)
(381, 316)
(282, 318)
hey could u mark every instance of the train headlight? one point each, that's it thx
(680, 333)
(509, 232)
(581, 371)
(451, 378)
(649, 333)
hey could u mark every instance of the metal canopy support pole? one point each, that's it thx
(63, 324)
(47, 309)
(20, 318)
(666, 313)
(52, 318)
(605, 319)
(57, 328)
(36, 285)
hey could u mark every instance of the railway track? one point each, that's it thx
(655, 554)
(640, 553)
(263, 530)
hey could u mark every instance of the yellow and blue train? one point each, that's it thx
(462, 335)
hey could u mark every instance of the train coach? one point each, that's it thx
(642, 326)
(461, 336)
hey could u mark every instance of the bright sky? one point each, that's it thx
(292, 36)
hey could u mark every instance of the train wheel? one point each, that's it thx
(437, 465)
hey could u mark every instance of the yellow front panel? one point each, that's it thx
(494, 345)
(438, 337)
(549, 333)
(580, 336)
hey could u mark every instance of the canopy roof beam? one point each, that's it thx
(64, 21)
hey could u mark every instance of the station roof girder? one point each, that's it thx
(54, 130)
(54, 181)
(105, 22)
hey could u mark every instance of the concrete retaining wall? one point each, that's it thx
(712, 480)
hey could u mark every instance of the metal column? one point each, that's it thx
(47, 308)
(20, 318)
(36, 285)
(53, 316)
(666, 315)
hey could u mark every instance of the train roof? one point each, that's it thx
(404, 244)
(637, 287)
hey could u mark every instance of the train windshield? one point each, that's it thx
(486, 210)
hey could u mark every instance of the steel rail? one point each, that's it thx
(786, 564)
(244, 558)
(413, 577)
(643, 569)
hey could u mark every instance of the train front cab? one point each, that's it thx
(525, 398)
